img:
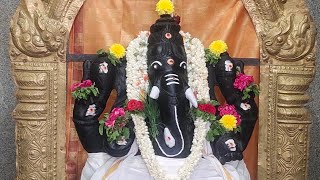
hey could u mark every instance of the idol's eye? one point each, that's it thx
(156, 64)
(183, 65)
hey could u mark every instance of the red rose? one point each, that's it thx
(135, 105)
(208, 108)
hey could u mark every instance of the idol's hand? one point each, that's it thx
(227, 148)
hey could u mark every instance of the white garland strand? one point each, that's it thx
(196, 66)
(137, 86)
(137, 75)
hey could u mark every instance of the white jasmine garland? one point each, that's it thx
(196, 67)
(137, 86)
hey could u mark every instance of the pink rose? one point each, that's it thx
(86, 83)
(242, 81)
(75, 86)
(227, 109)
(111, 120)
(118, 112)
(238, 117)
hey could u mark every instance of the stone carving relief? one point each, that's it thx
(40, 36)
(275, 9)
(290, 39)
(39, 32)
(291, 151)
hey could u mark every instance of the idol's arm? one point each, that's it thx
(225, 75)
(106, 77)
(87, 124)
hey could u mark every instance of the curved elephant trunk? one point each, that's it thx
(174, 96)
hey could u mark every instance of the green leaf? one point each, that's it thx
(102, 121)
(116, 133)
(213, 118)
(101, 51)
(214, 102)
(126, 132)
(108, 133)
(84, 97)
(101, 129)
(113, 59)
(215, 132)
(94, 91)
(151, 111)
(210, 135)
(87, 91)
(211, 58)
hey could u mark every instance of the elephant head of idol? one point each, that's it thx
(167, 70)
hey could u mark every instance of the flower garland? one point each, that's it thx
(137, 86)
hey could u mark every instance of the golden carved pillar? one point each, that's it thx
(287, 38)
(39, 33)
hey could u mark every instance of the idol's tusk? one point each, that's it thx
(190, 96)
(154, 94)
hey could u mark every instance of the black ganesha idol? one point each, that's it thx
(170, 105)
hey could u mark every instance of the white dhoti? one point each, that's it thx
(101, 166)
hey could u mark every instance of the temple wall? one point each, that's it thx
(7, 100)
(314, 105)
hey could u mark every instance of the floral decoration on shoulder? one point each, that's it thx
(246, 85)
(114, 124)
(227, 120)
(216, 48)
(115, 53)
(83, 89)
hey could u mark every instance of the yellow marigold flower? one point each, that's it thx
(117, 50)
(164, 7)
(218, 47)
(229, 122)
